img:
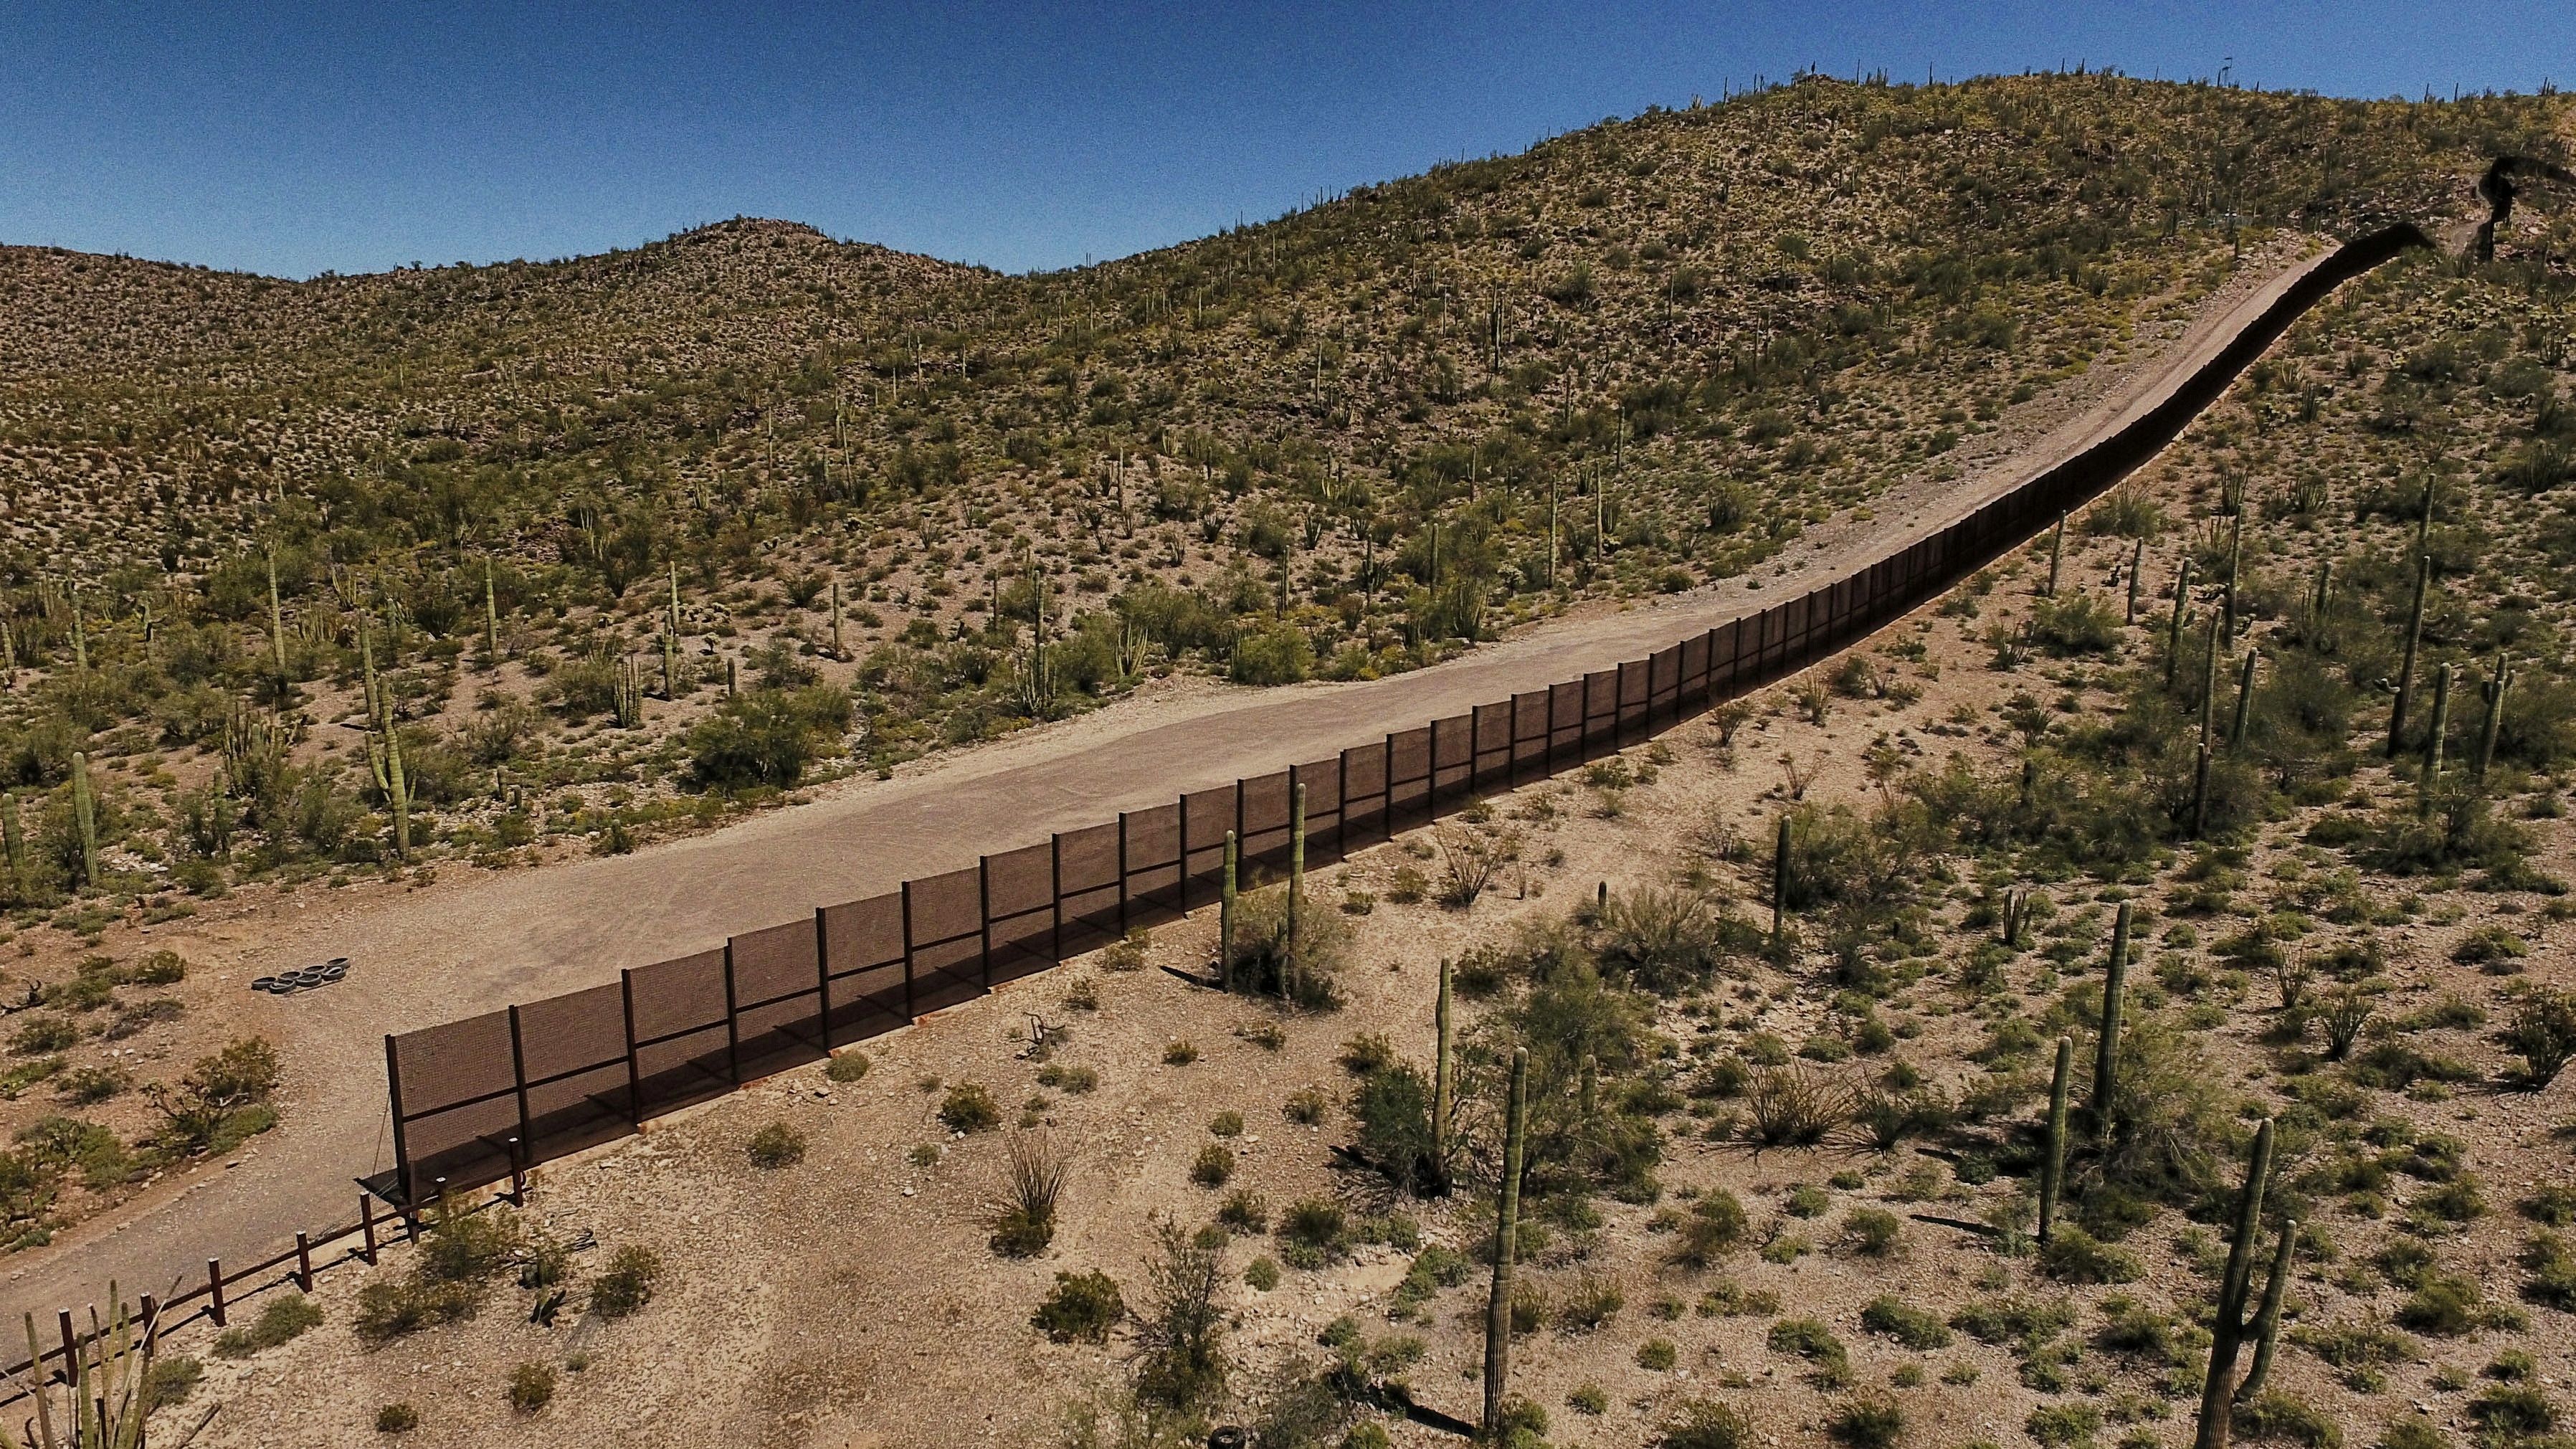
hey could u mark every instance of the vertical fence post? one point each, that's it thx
(733, 1022)
(215, 1290)
(393, 1092)
(71, 1358)
(366, 1229)
(519, 1080)
(151, 1325)
(823, 976)
(634, 1061)
(1342, 792)
(303, 1261)
(1055, 891)
(984, 918)
(909, 1012)
(1122, 873)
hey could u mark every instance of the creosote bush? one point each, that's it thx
(626, 1285)
(775, 1146)
(1081, 1308)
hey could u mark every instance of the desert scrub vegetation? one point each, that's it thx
(593, 549)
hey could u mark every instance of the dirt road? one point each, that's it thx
(476, 941)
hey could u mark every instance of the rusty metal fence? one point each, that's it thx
(478, 1101)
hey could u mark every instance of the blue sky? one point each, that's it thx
(295, 139)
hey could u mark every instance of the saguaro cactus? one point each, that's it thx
(2406, 670)
(2244, 699)
(2498, 680)
(2056, 553)
(85, 815)
(80, 635)
(1225, 919)
(1507, 1222)
(2267, 1319)
(1440, 1085)
(2137, 570)
(2052, 1168)
(837, 651)
(2106, 1052)
(2227, 1332)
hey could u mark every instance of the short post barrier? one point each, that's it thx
(215, 1290)
(151, 1325)
(303, 1261)
(367, 1228)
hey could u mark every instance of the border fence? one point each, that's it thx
(481, 1100)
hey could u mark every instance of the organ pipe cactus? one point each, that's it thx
(2173, 626)
(2439, 734)
(2227, 1331)
(2052, 1168)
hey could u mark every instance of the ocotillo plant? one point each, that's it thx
(2439, 734)
(2056, 553)
(2267, 1319)
(1780, 885)
(2406, 669)
(2106, 1051)
(1507, 1224)
(2052, 1168)
(2244, 699)
(2498, 681)
(2173, 626)
(1225, 919)
(1440, 1088)
(1296, 881)
(2227, 1332)
(85, 815)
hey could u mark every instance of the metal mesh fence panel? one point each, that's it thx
(1019, 892)
(1153, 865)
(1323, 782)
(459, 1102)
(1087, 869)
(778, 999)
(1490, 748)
(1453, 758)
(1364, 799)
(1206, 815)
(573, 1049)
(1408, 778)
(1265, 829)
(863, 948)
(683, 1040)
(944, 935)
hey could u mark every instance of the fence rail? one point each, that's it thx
(479, 1100)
